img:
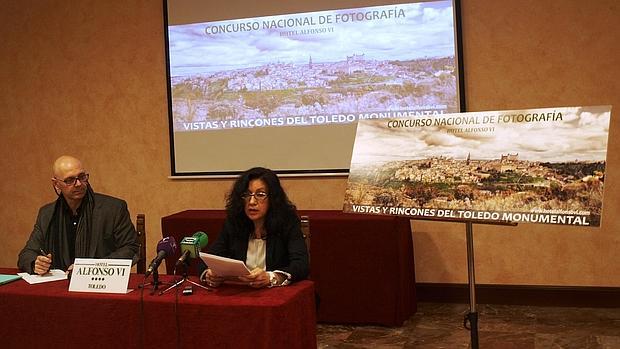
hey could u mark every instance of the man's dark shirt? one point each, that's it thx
(72, 224)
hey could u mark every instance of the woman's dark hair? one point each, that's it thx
(281, 210)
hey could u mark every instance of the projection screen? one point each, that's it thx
(253, 84)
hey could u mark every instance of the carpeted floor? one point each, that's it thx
(437, 325)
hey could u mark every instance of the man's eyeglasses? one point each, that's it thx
(83, 177)
(259, 196)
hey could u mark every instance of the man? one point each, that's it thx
(79, 224)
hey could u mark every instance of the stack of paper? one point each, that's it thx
(52, 275)
(223, 266)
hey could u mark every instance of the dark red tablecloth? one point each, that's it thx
(48, 315)
(362, 265)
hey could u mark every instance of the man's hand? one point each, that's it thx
(42, 264)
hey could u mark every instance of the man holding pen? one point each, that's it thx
(79, 224)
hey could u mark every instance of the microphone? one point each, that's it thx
(165, 247)
(191, 246)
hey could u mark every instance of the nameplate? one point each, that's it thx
(100, 275)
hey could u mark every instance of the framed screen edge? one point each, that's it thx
(456, 8)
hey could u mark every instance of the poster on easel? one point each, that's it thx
(542, 166)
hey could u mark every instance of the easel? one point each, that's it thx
(472, 316)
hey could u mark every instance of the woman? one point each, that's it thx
(263, 230)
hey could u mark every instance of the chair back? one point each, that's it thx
(305, 230)
(141, 231)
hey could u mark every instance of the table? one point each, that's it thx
(362, 265)
(48, 315)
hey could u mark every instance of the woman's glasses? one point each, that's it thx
(259, 196)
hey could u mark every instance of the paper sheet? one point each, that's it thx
(52, 275)
(223, 266)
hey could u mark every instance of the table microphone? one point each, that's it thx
(165, 247)
(191, 246)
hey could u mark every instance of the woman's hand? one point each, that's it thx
(211, 279)
(258, 278)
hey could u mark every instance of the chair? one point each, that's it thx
(305, 230)
(141, 231)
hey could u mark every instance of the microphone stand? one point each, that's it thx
(184, 279)
(155, 282)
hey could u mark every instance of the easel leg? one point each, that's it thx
(472, 316)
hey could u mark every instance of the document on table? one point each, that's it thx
(223, 266)
(6, 278)
(52, 275)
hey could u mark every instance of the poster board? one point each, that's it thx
(526, 166)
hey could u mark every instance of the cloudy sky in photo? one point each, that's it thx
(581, 135)
(426, 30)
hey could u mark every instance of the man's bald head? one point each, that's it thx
(67, 173)
(64, 165)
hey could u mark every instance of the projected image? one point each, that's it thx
(316, 68)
